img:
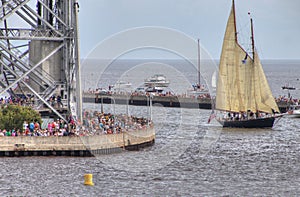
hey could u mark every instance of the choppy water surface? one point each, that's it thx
(189, 158)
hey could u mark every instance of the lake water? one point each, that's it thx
(189, 157)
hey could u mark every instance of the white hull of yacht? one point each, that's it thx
(293, 114)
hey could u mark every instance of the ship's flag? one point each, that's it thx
(212, 116)
(245, 59)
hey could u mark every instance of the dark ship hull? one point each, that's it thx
(250, 123)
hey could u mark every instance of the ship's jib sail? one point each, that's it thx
(242, 84)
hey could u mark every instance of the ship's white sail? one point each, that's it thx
(262, 90)
(214, 80)
(242, 84)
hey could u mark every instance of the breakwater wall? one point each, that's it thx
(76, 145)
(142, 100)
(165, 101)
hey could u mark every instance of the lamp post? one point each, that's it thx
(101, 104)
(127, 93)
(148, 111)
(151, 97)
(127, 103)
(114, 112)
(149, 107)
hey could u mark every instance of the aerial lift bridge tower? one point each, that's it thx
(39, 52)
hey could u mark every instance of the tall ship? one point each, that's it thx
(243, 96)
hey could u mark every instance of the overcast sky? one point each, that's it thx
(276, 23)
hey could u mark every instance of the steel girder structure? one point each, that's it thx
(42, 56)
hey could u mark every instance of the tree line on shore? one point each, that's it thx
(13, 116)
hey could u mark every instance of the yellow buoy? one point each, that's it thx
(88, 179)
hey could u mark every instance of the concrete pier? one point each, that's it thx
(165, 101)
(75, 145)
(142, 100)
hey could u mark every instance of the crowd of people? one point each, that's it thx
(103, 91)
(24, 101)
(94, 123)
(29, 100)
(54, 128)
(243, 115)
(289, 100)
(107, 123)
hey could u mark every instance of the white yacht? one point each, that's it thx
(293, 112)
(121, 86)
(158, 80)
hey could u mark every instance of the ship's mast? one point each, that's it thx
(252, 36)
(253, 55)
(233, 7)
(199, 63)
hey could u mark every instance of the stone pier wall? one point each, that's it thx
(94, 143)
